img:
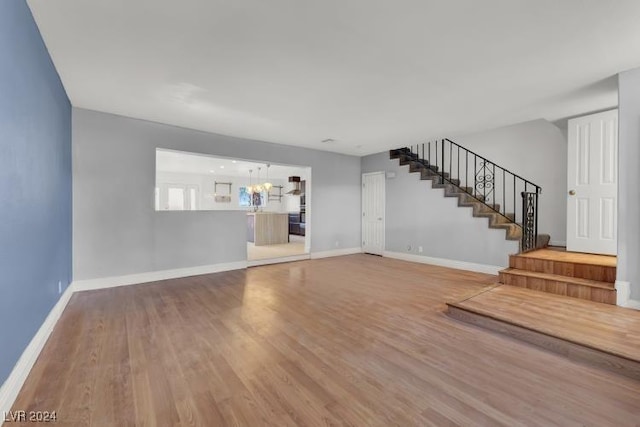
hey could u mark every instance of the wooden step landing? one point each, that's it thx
(560, 254)
(572, 264)
(576, 287)
(586, 276)
(600, 334)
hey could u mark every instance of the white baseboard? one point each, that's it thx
(557, 243)
(444, 262)
(154, 276)
(632, 303)
(623, 292)
(336, 252)
(292, 258)
(11, 387)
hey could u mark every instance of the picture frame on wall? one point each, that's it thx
(254, 199)
(244, 198)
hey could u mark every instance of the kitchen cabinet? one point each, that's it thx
(267, 228)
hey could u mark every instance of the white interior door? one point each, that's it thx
(592, 217)
(373, 212)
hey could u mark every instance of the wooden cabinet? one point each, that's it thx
(266, 228)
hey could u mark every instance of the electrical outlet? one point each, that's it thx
(420, 249)
(337, 243)
(59, 287)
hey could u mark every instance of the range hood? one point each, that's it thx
(296, 186)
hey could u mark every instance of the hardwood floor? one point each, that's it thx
(612, 331)
(559, 254)
(357, 340)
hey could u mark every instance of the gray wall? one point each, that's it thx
(417, 215)
(537, 151)
(629, 181)
(118, 232)
(35, 183)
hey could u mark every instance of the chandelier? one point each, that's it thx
(260, 187)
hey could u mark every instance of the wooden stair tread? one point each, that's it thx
(603, 327)
(571, 257)
(560, 278)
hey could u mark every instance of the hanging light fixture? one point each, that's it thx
(267, 185)
(258, 188)
(250, 187)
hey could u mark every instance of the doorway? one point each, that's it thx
(373, 212)
(275, 199)
(593, 184)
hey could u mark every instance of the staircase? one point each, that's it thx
(584, 276)
(480, 184)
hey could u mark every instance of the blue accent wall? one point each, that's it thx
(35, 182)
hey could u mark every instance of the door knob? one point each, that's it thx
(380, 219)
(572, 192)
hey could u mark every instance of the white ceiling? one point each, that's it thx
(371, 74)
(183, 162)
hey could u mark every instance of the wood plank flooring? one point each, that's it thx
(357, 340)
(559, 254)
(609, 329)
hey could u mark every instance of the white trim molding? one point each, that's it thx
(336, 252)
(11, 387)
(259, 262)
(154, 276)
(623, 292)
(444, 262)
(633, 303)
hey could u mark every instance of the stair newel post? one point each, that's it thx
(442, 149)
(429, 153)
(529, 220)
(523, 240)
(535, 236)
